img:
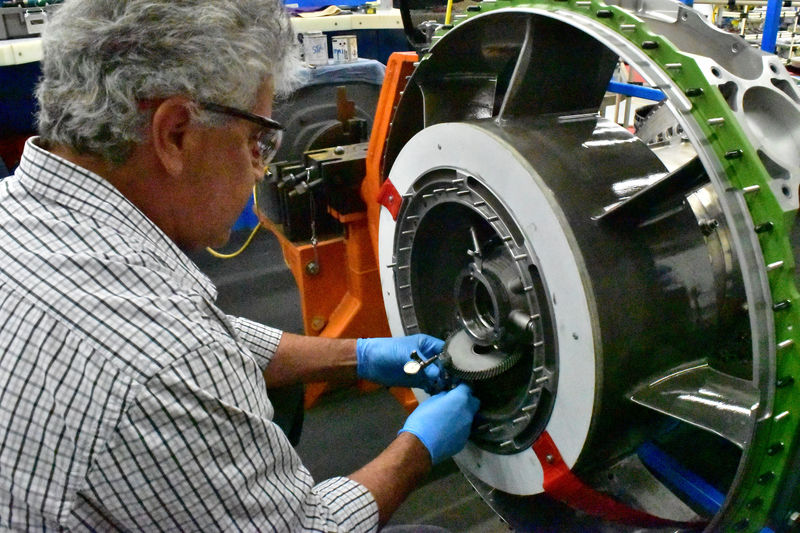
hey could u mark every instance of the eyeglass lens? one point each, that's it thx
(269, 143)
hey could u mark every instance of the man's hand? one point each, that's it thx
(381, 360)
(442, 422)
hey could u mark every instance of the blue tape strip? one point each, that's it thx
(637, 91)
(688, 483)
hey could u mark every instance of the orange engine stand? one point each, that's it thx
(339, 283)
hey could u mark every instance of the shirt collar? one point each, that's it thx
(68, 184)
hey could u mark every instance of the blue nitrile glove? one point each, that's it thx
(443, 422)
(381, 360)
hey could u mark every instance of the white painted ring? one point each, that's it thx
(479, 153)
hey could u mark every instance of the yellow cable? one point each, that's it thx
(246, 243)
(448, 16)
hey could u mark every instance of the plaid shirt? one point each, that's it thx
(128, 400)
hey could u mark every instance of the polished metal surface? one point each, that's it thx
(706, 398)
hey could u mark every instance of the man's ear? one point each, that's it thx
(169, 129)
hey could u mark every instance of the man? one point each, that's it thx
(128, 400)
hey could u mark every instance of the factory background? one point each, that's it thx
(593, 202)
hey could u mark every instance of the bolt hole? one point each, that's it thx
(684, 16)
(773, 68)
(787, 192)
(482, 349)
(715, 71)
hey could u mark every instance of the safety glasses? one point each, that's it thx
(269, 139)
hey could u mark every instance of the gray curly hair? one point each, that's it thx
(103, 57)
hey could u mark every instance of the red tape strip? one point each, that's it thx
(390, 199)
(561, 484)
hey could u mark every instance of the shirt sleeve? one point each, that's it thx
(196, 450)
(262, 340)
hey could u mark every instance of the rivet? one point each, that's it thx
(549, 458)
(750, 189)
(734, 154)
(673, 66)
(785, 381)
(604, 13)
(716, 121)
(649, 45)
(627, 27)
(473, 8)
(694, 91)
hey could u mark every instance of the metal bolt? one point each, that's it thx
(774, 266)
(766, 477)
(707, 227)
(765, 227)
(312, 268)
(339, 150)
(794, 518)
(782, 305)
(317, 323)
(549, 458)
(776, 448)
